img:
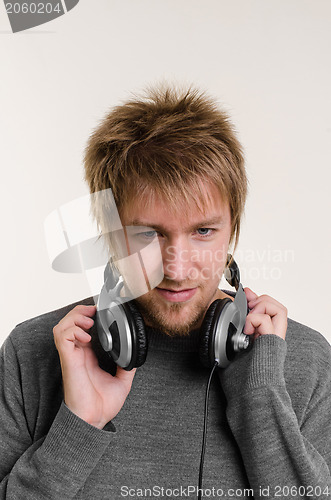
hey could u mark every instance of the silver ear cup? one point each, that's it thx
(231, 339)
(114, 333)
(112, 325)
(239, 339)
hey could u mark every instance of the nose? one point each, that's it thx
(177, 261)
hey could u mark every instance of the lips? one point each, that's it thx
(176, 295)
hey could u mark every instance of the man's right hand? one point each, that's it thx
(89, 392)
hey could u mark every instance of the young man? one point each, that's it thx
(73, 426)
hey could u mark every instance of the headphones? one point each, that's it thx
(121, 328)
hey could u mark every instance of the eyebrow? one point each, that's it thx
(218, 220)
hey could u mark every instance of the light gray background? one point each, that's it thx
(266, 61)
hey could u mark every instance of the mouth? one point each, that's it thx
(172, 295)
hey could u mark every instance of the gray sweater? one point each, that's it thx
(269, 425)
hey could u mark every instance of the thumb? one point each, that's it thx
(125, 375)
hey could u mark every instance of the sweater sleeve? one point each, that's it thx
(282, 457)
(58, 464)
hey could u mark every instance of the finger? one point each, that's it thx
(265, 307)
(83, 310)
(258, 323)
(71, 348)
(276, 311)
(71, 335)
(265, 298)
(81, 335)
(86, 310)
(75, 319)
(250, 295)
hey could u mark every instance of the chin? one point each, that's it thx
(175, 319)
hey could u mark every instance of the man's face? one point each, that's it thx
(194, 251)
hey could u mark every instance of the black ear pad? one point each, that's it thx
(105, 361)
(138, 335)
(207, 332)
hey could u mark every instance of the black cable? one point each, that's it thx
(205, 431)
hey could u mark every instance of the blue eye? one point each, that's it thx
(205, 231)
(148, 234)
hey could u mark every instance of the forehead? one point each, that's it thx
(151, 209)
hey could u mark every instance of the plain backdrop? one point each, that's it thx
(266, 62)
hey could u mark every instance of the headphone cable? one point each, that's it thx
(205, 430)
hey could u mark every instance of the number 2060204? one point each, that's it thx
(302, 491)
(33, 8)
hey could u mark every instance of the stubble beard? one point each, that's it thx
(161, 319)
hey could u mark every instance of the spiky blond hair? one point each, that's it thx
(167, 142)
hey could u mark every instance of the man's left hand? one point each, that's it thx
(266, 316)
